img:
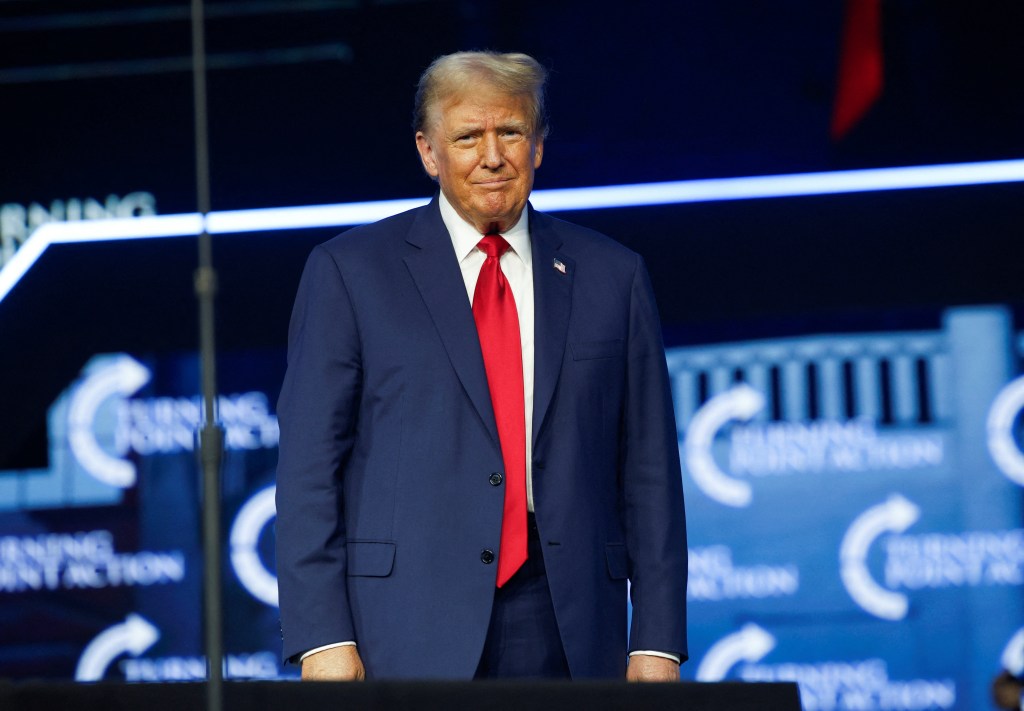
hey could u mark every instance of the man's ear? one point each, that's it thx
(426, 151)
(538, 153)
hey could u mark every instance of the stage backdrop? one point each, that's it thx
(854, 506)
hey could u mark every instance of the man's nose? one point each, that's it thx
(491, 154)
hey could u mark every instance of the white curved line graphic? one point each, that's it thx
(1013, 654)
(896, 515)
(135, 635)
(750, 644)
(740, 402)
(1001, 443)
(122, 376)
(257, 512)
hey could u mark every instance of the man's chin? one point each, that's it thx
(504, 216)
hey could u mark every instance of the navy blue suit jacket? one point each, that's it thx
(388, 441)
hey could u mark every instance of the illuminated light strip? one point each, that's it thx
(291, 218)
(794, 185)
(93, 231)
(593, 198)
(125, 228)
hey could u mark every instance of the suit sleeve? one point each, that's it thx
(652, 484)
(317, 410)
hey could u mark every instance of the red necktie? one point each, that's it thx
(497, 324)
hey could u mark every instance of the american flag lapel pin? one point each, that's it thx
(559, 265)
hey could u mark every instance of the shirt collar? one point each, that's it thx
(465, 237)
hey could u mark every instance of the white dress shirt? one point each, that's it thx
(517, 265)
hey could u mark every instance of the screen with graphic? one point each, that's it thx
(854, 505)
(841, 299)
(100, 554)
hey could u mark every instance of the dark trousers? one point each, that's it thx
(523, 640)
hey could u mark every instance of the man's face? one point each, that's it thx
(483, 151)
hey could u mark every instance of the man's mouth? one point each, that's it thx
(493, 182)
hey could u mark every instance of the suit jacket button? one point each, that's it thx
(487, 556)
(495, 479)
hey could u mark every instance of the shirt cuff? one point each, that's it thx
(663, 655)
(325, 648)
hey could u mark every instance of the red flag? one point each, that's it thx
(860, 66)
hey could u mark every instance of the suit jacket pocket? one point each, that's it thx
(618, 561)
(373, 559)
(589, 350)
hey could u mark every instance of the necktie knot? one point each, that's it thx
(493, 245)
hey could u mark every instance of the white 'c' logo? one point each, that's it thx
(135, 635)
(741, 402)
(1013, 654)
(1001, 443)
(245, 535)
(750, 644)
(121, 376)
(896, 515)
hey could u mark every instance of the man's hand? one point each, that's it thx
(644, 667)
(335, 664)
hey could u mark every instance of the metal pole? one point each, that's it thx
(211, 436)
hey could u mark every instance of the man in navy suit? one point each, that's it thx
(401, 473)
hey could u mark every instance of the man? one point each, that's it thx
(477, 439)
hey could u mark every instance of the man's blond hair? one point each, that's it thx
(455, 75)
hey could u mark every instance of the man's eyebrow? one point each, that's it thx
(465, 128)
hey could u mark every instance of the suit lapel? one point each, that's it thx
(552, 299)
(435, 270)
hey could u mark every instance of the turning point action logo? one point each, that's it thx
(1002, 417)
(895, 515)
(249, 525)
(137, 635)
(825, 685)
(121, 376)
(741, 402)
(133, 636)
(751, 644)
(765, 448)
(926, 561)
(105, 423)
(168, 425)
